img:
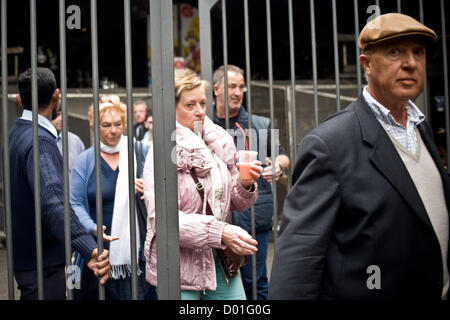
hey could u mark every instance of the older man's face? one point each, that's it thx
(236, 86)
(395, 70)
(139, 112)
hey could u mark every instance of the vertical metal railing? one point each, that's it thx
(250, 133)
(225, 62)
(6, 162)
(98, 166)
(314, 60)
(336, 56)
(163, 102)
(273, 142)
(36, 165)
(204, 13)
(65, 144)
(357, 51)
(167, 237)
(425, 83)
(445, 68)
(293, 135)
(131, 188)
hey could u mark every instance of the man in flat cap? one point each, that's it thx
(367, 216)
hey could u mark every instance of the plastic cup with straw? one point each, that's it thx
(245, 158)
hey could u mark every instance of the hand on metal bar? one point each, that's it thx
(100, 265)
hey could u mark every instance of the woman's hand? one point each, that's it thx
(255, 172)
(105, 236)
(238, 240)
(139, 185)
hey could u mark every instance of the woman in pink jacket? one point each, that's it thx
(209, 150)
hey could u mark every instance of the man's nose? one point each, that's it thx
(409, 60)
(236, 91)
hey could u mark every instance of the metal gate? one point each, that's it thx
(313, 100)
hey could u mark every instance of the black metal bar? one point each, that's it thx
(225, 61)
(36, 165)
(293, 102)
(274, 141)
(204, 14)
(131, 188)
(445, 67)
(251, 137)
(65, 144)
(336, 57)
(163, 95)
(98, 166)
(357, 52)
(6, 162)
(314, 61)
(425, 82)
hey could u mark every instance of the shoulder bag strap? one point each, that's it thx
(201, 191)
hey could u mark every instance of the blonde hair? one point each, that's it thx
(109, 103)
(186, 79)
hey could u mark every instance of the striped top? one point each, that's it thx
(405, 136)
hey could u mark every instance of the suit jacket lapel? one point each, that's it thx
(385, 157)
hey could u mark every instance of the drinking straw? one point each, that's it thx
(243, 133)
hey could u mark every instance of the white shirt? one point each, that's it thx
(42, 121)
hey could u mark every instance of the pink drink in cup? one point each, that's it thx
(245, 159)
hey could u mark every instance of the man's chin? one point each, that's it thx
(234, 108)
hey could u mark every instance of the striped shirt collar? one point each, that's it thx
(384, 115)
(42, 121)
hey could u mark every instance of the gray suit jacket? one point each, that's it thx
(353, 207)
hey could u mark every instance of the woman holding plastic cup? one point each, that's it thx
(206, 151)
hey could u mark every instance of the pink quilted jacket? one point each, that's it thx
(199, 233)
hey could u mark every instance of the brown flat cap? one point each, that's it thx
(393, 25)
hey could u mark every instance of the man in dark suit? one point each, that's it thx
(367, 216)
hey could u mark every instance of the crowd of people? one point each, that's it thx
(366, 217)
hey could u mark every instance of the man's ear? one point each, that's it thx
(19, 100)
(364, 60)
(55, 96)
(215, 89)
